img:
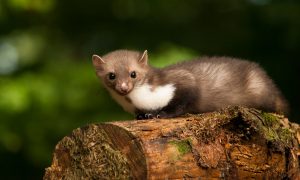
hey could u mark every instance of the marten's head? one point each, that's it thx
(122, 70)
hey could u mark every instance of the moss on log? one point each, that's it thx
(233, 143)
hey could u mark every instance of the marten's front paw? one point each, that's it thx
(146, 116)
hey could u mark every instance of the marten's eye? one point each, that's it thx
(112, 76)
(133, 74)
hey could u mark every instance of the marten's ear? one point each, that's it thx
(97, 60)
(144, 59)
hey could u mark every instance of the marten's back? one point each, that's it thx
(223, 81)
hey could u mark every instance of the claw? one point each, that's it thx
(149, 116)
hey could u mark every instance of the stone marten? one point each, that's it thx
(201, 85)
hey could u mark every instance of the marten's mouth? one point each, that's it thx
(123, 93)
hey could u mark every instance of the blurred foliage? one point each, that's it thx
(47, 83)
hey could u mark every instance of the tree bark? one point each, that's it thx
(234, 143)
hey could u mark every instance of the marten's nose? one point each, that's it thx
(124, 87)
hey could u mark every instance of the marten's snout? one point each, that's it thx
(123, 88)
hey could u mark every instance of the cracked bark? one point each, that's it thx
(234, 143)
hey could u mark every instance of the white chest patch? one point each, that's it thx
(145, 98)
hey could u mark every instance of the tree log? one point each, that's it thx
(233, 143)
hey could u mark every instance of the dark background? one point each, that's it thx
(47, 83)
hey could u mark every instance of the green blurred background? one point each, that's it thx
(47, 83)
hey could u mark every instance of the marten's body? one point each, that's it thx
(202, 85)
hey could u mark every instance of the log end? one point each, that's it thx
(98, 151)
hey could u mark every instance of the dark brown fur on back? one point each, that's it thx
(210, 83)
(222, 81)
